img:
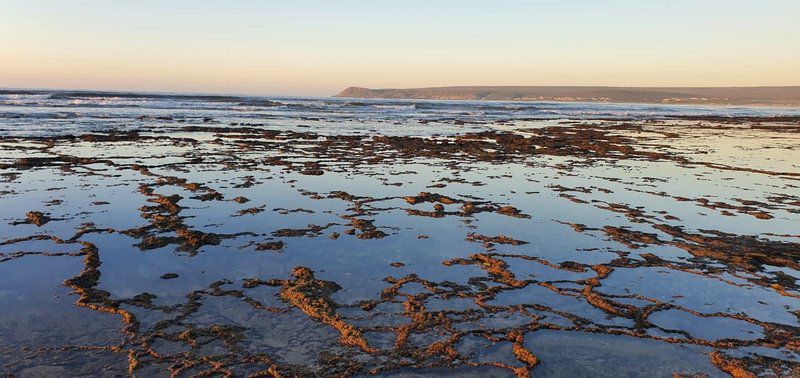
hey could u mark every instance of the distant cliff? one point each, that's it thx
(779, 96)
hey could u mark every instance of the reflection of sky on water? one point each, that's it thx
(360, 267)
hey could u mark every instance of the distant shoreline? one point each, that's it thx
(777, 96)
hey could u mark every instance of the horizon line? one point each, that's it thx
(265, 94)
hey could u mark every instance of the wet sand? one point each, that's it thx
(529, 247)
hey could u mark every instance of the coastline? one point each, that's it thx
(777, 96)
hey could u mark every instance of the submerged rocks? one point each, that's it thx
(488, 240)
(191, 240)
(367, 228)
(241, 199)
(270, 246)
(313, 297)
(430, 197)
(630, 238)
(250, 211)
(371, 234)
(311, 231)
(512, 212)
(37, 218)
(154, 242)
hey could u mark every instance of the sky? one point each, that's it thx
(319, 47)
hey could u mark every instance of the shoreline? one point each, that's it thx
(714, 105)
(232, 97)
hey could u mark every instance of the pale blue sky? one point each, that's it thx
(319, 47)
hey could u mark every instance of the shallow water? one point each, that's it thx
(627, 240)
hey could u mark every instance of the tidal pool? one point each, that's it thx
(321, 238)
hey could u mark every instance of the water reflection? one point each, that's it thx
(196, 241)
